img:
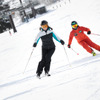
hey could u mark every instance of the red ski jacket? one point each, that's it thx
(78, 34)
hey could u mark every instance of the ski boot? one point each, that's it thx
(93, 53)
(47, 74)
(38, 76)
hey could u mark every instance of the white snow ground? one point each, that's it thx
(80, 81)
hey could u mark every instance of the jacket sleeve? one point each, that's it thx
(70, 38)
(56, 37)
(37, 38)
(85, 29)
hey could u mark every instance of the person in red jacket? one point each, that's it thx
(82, 39)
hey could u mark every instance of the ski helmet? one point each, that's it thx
(74, 22)
(44, 22)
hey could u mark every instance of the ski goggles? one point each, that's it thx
(74, 26)
(44, 26)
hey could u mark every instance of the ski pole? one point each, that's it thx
(95, 34)
(28, 61)
(75, 51)
(67, 56)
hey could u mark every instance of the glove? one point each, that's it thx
(35, 44)
(89, 32)
(62, 42)
(69, 46)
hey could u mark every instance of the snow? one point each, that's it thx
(80, 81)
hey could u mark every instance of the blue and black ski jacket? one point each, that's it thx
(47, 38)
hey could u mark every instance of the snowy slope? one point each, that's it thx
(80, 81)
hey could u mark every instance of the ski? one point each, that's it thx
(48, 75)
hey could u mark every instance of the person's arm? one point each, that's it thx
(36, 40)
(70, 39)
(58, 39)
(87, 30)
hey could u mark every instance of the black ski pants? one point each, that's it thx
(45, 61)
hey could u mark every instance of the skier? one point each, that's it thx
(82, 39)
(48, 47)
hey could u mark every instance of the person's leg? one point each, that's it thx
(86, 46)
(48, 60)
(92, 44)
(40, 67)
(42, 62)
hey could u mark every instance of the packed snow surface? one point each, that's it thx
(73, 77)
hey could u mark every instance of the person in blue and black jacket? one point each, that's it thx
(48, 47)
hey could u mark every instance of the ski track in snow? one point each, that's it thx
(59, 69)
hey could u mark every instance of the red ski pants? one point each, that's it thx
(87, 44)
